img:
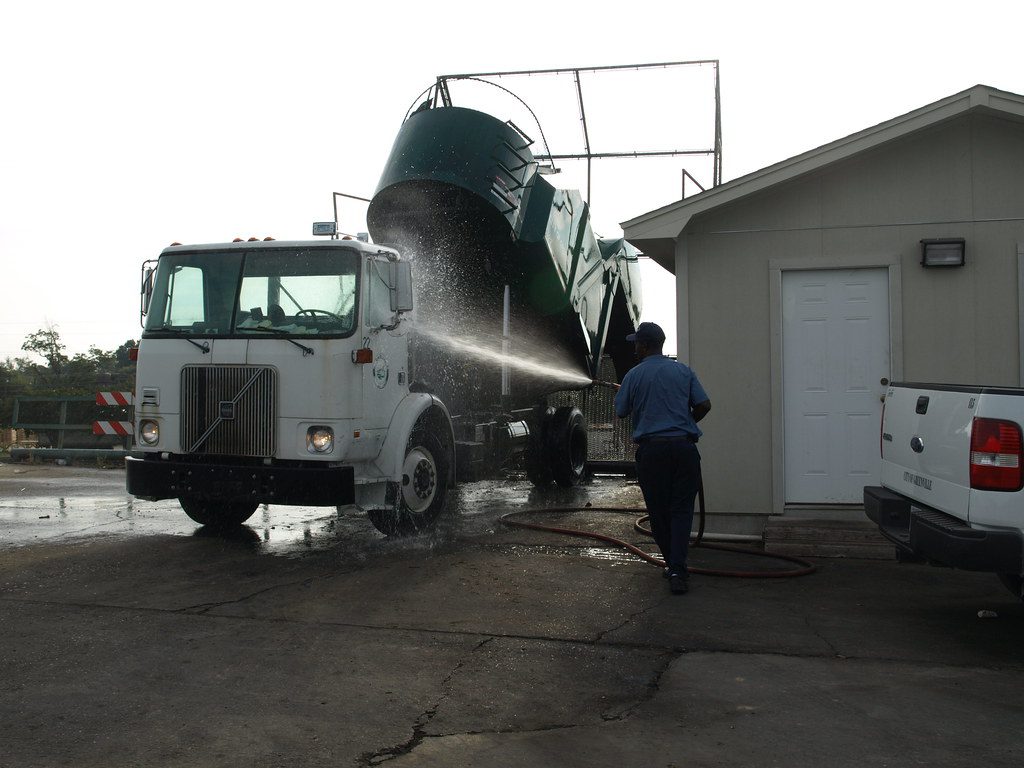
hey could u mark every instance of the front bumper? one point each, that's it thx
(294, 483)
(938, 537)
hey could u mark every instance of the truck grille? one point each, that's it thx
(228, 410)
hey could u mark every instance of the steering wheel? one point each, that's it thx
(314, 312)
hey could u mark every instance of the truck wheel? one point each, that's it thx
(217, 514)
(1014, 583)
(423, 491)
(535, 461)
(567, 446)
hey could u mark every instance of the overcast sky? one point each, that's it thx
(127, 125)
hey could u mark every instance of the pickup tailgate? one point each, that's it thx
(926, 445)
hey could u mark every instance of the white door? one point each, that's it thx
(835, 351)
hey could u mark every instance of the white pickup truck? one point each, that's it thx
(952, 478)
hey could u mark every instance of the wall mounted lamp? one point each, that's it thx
(944, 252)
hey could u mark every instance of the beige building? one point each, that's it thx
(801, 288)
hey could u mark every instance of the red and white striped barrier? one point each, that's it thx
(115, 398)
(118, 428)
(115, 428)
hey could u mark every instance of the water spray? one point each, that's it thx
(486, 353)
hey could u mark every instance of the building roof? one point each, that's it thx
(655, 232)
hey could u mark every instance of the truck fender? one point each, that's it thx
(412, 409)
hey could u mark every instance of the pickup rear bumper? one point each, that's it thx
(935, 536)
(292, 483)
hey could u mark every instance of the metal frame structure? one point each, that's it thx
(442, 96)
(334, 198)
(61, 425)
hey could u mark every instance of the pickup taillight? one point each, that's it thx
(996, 455)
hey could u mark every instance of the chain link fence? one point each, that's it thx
(609, 438)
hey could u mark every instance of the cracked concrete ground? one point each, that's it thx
(132, 638)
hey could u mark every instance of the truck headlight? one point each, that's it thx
(149, 432)
(320, 440)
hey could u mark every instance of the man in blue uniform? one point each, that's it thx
(666, 401)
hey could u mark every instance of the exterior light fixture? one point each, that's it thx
(319, 439)
(946, 252)
(149, 432)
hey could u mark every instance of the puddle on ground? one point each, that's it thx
(610, 555)
(273, 529)
(615, 556)
(34, 513)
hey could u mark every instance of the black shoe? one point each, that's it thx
(678, 584)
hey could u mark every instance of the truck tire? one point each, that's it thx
(535, 460)
(567, 446)
(217, 514)
(423, 492)
(1013, 582)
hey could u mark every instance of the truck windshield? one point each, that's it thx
(301, 292)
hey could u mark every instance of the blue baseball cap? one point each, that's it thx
(647, 333)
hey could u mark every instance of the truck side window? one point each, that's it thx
(187, 302)
(378, 304)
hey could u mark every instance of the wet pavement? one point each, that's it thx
(133, 636)
(42, 502)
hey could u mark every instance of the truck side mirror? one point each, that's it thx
(146, 297)
(401, 286)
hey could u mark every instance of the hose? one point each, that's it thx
(805, 568)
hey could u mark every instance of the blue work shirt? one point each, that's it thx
(659, 392)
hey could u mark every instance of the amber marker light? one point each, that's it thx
(362, 356)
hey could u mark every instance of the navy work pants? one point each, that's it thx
(669, 475)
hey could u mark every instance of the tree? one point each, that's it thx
(83, 374)
(13, 381)
(46, 343)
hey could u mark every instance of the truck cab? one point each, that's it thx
(278, 372)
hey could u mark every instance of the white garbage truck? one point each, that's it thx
(299, 372)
